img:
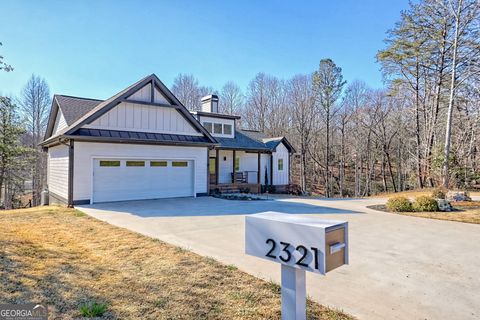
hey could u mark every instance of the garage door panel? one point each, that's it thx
(118, 183)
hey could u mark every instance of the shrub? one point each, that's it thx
(425, 203)
(294, 189)
(93, 309)
(268, 188)
(399, 204)
(439, 193)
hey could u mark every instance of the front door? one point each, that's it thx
(212, 170)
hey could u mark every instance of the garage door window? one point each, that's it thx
(179, 164)
(158, 163)
(105, 163)
(135, 163)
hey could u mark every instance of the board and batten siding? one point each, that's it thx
(144, 94)
(60, 122)
(280, 177)
(85, 152)
(144, 118)
(57, 172)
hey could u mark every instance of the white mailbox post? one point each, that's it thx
(300, 244)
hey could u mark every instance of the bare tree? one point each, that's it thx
(187, 89)
(465, 15)
(231, 98)
(35, 104)
(304, 116)
(257, 104)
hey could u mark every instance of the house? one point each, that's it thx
(142, 143)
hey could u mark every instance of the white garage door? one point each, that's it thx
(136, 179)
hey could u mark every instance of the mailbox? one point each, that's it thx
(306, 243)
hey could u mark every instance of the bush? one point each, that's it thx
(268, 188)
(294, 189)
(425, 203)
(92, 310)
(439, 193)
(399, 204)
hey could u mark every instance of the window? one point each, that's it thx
(208, 126)
(158, 163)
(227, 129)
(237, 164)
(217, 128)
(280, 164)
(179, 164)
(135, 163)
(105, 163)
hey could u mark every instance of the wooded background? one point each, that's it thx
(420, 130)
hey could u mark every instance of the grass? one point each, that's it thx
(93, 309)
(467, 212)
(80, 267)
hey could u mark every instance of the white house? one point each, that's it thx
(142, 143)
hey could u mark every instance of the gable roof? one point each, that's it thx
(273, 143)
(269, 142)
(242, 142)
(73, 108)
(257, 135)
(95, 108)
(254, 141)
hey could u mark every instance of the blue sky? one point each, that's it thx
(96, 48)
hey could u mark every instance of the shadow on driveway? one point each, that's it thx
(209, 206)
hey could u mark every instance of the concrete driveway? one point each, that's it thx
(400, 267)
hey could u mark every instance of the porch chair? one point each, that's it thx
(240, 177)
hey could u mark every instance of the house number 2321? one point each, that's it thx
(287, 250)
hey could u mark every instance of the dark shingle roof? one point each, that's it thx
(267, 142)
(73, 108)
(257, 135)
(145, 136)
(272, 143)
(242, 141)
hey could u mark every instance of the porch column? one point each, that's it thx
(233, 177)
(258, 168)
(271, 169)
(217, 159)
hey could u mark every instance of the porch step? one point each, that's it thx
(234, 188)
(228, 189)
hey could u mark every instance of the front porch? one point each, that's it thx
(238, 170)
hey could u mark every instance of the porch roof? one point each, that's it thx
(242, 142)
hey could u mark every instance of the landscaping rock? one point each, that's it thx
(458, 196)
(444, 205)
(240, 196)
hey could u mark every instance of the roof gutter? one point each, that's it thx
(139, 141)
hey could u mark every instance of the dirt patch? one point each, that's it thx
(64, 259)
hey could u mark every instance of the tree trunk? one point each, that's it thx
(417, 128)
(327, 160)
(448, 131)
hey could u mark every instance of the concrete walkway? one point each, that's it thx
(400, 267)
